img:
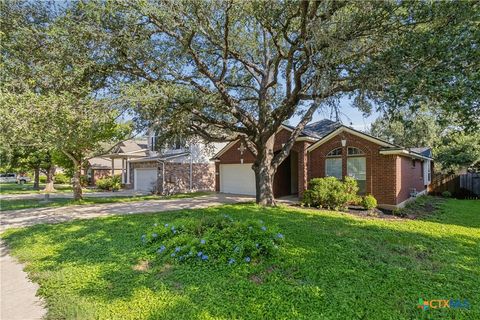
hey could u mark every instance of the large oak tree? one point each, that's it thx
(236, 70)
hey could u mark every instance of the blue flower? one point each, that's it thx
(144, 238)
(280, 236)
(172, 255)
(204, 257)
(161, 249)
(231, 261)
(247, 259)
(177, 249)
(199, 254)
(190, 253)
(257, 245)
(202, 241)
(154, 235)
(264, 228)
(166, 225)
(236, 249)
(174, 231)
(155, 224)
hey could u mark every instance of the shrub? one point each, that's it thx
(109, 183)
(330, 193)
(42, 179)
(61, 178)
(446, 194)
(369, 202)
(214, 239)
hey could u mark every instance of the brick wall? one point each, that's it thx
(409, 176)
(177, 176)
(380, 169)
(233, 156)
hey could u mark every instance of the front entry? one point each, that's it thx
(286, 178)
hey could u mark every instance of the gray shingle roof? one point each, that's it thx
(424, 151)
(318, 129)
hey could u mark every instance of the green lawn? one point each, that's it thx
(16, 204)
(14, 188)
(331, 266)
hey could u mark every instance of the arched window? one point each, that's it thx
(352, 151)
(357, 167)
(333, 164)
(335, 153)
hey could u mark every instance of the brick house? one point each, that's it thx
(392, 174)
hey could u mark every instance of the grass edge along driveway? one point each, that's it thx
(332, 266)
(18, 204)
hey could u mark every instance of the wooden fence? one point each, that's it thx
(464, 186)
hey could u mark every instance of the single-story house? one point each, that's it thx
(390, 173)
(115, 163)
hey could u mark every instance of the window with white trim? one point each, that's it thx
(357, 167)
(333, 164)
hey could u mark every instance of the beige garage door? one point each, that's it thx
(237, 178)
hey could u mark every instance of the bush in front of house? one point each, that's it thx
(109, 183)
(61, 178)
(330, 193)
(369, 202)
(213, 239)
(446, 194)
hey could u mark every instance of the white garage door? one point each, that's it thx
(237, 178)
(145, 179)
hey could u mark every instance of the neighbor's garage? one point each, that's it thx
(145, 179)
(237, 178)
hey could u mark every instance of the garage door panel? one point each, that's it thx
(237, 178)
(145, 179)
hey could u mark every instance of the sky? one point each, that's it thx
(350, 116)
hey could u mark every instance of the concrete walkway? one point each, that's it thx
(18, 293)
(18, 300)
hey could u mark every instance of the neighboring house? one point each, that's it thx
(115, 163)
(390, 173)
(180, 167)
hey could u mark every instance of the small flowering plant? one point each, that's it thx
(214, 239)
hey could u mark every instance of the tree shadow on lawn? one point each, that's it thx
(332, 266)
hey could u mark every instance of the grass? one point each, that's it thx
(331, 266)
(17, 204)
(14, 188)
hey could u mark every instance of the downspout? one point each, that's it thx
(163, 175)
(191, 169)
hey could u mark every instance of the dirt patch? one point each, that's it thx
(142, 265)
(256, 279)
(421, 207)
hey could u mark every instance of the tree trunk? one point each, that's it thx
(77, 186)
(264, 174)
(36, 178)
(50, 179)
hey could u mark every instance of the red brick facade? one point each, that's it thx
(389, 178)
(233, 155)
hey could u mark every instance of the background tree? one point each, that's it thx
(53, 87)
(228, 70)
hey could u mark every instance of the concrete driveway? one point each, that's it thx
(18, 293)
(28, 217)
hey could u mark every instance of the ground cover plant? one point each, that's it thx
(330, 265)
(17, 204)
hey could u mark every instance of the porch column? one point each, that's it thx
(127, 163)
(123, 170)
(113, 167)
